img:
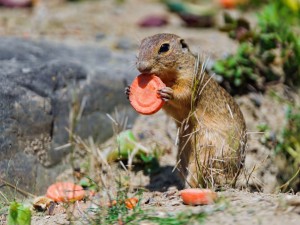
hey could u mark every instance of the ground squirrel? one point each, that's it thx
(211, 126)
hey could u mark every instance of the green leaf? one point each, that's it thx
(228, 18)
(239, 72)
(18, 214)
(231, 62)
(219, 67)
(126, 141)
(237, 82)
(178, 7)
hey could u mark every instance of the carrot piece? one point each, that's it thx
(228, 4)
(112, 203)
(143, 94)
(196, 196)
(131, 203)
(65, 192)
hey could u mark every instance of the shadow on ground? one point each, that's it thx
(163, 179)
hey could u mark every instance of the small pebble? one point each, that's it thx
(154, 21)
(100, 36)
(124, 44)
(26, 70)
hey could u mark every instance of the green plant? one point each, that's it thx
(119, 213)
(18, 214)
(268, 137)
(150, 161)
(4, 205)
(175, 219)
(254, 4)
(286, 144)
(238, 71)
(268, 53)
(289, 146)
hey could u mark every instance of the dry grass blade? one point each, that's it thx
(286, 185)
(17, 189)
(4, 197)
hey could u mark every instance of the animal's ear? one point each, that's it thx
(184, 46)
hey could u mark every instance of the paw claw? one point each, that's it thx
(127, 91)
(166, 93)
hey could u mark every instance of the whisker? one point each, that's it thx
(138, 38)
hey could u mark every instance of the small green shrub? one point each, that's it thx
(286, 145)
(18, 214)
(268, 53)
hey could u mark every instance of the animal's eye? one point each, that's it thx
(164, 48)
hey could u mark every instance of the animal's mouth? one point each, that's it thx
(150, 72)
(155, 74)
(159, 75)
(162, 76)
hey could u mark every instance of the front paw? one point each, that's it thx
(127, 91)
(166, 93)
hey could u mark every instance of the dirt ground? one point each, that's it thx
(108, 23)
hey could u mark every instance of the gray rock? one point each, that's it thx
(40, 82)
(125, 44)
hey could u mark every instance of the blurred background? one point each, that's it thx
(91, 20)
(63, 68)
(47, 46)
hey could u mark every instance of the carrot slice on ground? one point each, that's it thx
(65, 192)
(131, 203)
(196, 196)
(143, 94)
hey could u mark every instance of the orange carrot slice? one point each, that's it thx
(228, 4)
(196, 196)
(112, 203)
(143, 94)
(131, 203)
(65, 192)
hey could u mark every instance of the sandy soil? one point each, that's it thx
(108, 23)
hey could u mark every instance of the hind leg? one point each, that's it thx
(191, 164)
(200, 168)
(183, 159)
(192, 179)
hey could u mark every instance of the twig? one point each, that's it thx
(105, 187)
(17, 189)
(131, 156)
(139, 146)
(284, 186)
(81, 212)
(82, 105)
(4, 197)
(63, 146)
(112, 119)
(195, 179)
(123, 166)
(176, 165)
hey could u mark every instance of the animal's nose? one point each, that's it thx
(143, 66)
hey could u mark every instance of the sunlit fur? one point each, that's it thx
(212, 128)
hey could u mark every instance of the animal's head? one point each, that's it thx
(162, 54)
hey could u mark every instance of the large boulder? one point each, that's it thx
(40, 84)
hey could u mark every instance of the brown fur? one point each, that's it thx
(212, 128)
